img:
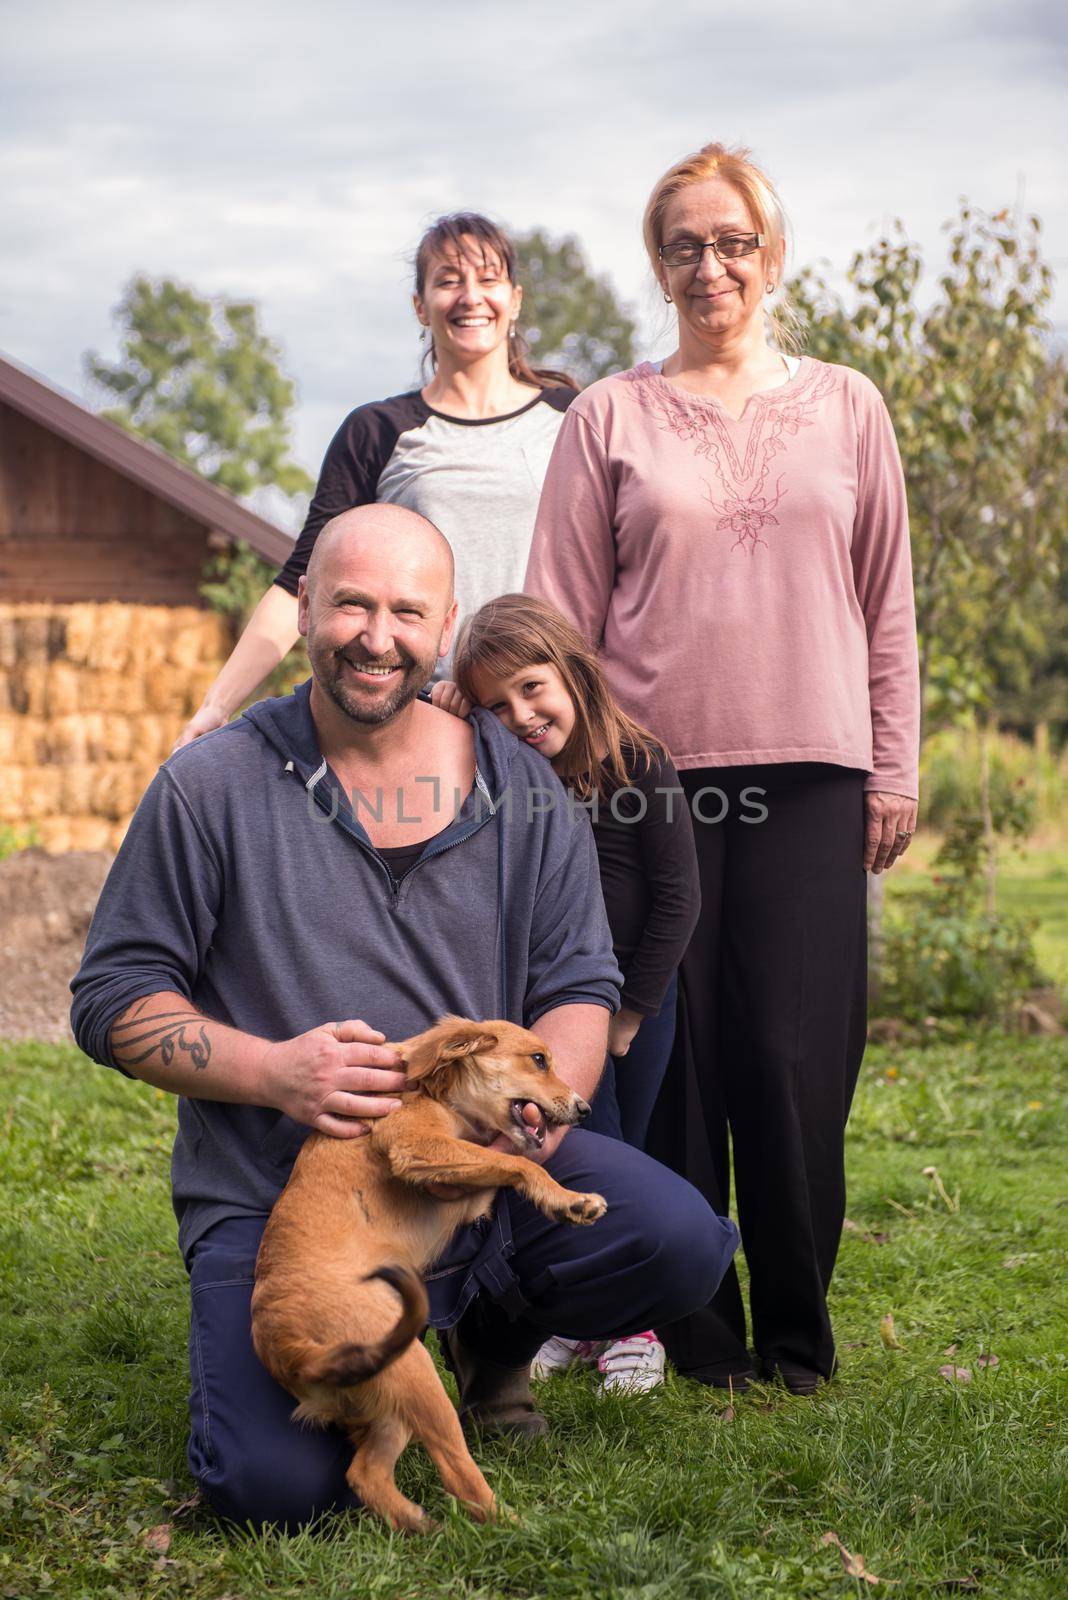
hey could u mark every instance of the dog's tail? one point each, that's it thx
(353, 1363)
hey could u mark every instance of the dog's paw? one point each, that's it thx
(582, 1209)
(492, 1511)
(415, 1522)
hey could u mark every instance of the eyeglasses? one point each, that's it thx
(729, 248)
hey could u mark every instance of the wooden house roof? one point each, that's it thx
(146, 464)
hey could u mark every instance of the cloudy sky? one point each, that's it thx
(294, 152)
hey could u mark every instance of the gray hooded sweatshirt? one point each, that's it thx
(247, 884)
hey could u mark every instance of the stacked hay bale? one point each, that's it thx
(91, 699)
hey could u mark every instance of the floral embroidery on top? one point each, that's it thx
(740, 497)
(744, 517)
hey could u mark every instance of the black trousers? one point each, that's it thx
(770, 1037)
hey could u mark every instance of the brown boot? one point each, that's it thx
(493, 1399)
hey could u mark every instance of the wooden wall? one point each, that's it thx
(72, 529)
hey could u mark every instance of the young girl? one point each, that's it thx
(518, 657)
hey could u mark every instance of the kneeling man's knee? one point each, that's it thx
(690, 1248)
(267, 1493)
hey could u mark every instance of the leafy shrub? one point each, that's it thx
(955, 962)
(236, 579)
(945, 953)
(12, 840)
(1028, 785)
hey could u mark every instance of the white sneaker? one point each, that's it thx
(632, 1366)
(558, 1353)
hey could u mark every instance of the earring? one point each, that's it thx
(769, 288)
(667, 299)
(511, 330)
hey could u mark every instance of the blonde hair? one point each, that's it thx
(516, 631)
(736, 167)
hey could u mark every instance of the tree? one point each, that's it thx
(978, 400)
(1031, 693)
(978, 395)
(571, 318)
(200, 379)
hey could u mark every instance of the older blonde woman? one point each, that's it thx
(730, 526)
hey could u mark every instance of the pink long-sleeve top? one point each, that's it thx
(749, 581)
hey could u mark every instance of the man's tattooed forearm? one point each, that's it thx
(138, 1038)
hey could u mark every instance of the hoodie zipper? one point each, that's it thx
(394, 884)
(483, 789)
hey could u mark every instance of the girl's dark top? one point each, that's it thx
(648, 862)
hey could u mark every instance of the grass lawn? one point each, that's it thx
(942, 1486)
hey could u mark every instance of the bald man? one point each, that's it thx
(337, 867)
(396, 554)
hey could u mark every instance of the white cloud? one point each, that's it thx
(294, 153)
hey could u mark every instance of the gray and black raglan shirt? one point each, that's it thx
(478, 480)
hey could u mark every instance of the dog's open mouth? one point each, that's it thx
(533, 1132)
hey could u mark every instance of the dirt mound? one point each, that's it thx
(46, 903)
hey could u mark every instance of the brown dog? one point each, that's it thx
(355, 1227)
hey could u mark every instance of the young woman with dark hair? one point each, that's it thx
(468, 450)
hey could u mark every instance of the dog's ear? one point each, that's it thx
(442, 1047)
(465, 1039)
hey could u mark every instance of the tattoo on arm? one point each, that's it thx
(137, 1037)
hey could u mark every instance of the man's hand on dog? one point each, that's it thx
(338, 1076)
(333, 1078)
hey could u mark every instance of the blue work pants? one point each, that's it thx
(627, 1092)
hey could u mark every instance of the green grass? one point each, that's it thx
(933, 1483)
(1035, 884)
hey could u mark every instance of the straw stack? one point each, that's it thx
(92, 698)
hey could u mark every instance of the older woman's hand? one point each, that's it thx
(890, 822)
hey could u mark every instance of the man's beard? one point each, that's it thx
(364, 706)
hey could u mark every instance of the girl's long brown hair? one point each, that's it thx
(451, 236)
(606, 748)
